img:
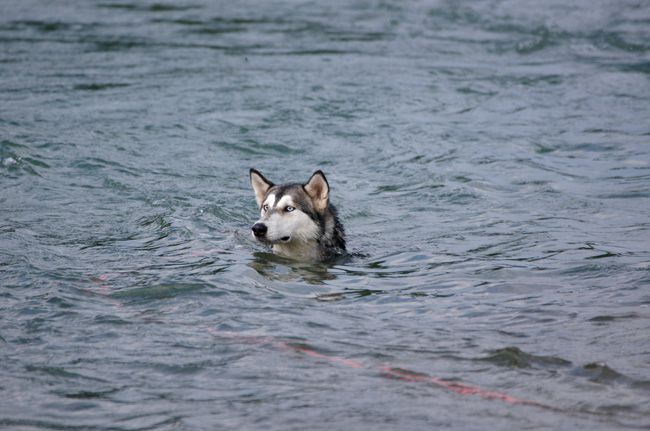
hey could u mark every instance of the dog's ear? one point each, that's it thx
(318, 190)
(260, 185)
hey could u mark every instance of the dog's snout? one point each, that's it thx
(259, 229)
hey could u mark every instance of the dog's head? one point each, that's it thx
(289, 213)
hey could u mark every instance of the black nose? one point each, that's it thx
(259, 229)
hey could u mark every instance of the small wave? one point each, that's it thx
(154, 7)
(100, 86)
(158, 291)
(15, 164)
(514, 357)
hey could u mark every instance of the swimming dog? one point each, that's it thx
(297, 220)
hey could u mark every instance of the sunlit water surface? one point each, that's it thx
(490, 161)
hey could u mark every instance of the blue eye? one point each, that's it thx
(265, 208)
(289, 209)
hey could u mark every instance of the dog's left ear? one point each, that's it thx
(318, 190)
(260, 185)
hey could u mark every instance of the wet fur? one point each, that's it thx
(314, 228)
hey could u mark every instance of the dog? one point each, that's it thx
(297, 220)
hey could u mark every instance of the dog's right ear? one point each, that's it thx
(318, 190)
(260, 185)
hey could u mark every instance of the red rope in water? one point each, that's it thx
(392, 372)
(386, 371)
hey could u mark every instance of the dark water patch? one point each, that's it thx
(119, 43)
(35, 162)
(593, 147)
(106, 241)
(5, 145)
(184, 368)
(96, 164)
(457, 196)
(408, 189)
(358, 36)
(146, 233)
(158, 291)
(599, 130)
(116, 185)
(556, 169)
(99, 87)
(43, 26)
(615, 40)
(179, 21)
(248, 21)
(610, 318)
(455, 13)
(380, 269)
(528, 80)
(641, 67)
(310, 52)
(473, 90)
(152, 7)
(35, 41)
(107, 45)
(39, 424)
(600, 373)
(219, 25)
(118, 6)
(629, 194)
(50, 26)
(59, 302)
(351, 294)
(59, 372)
(330, 31)
(217, 30)
(90, 395)
(604, 255)
(110, 320)
(253, 147)
(513, 357)
(157, 221)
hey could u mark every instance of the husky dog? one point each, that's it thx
(297, 220)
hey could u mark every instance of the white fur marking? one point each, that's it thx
(270, 201)
(285, 201)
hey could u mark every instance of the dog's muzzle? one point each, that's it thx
(259, 230)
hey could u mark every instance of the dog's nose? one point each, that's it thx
(259, 229)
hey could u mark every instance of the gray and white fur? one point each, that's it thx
(297, 220)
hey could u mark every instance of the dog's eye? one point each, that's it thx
(265, 208)
(289, 209)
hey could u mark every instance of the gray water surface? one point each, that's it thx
(490, 161)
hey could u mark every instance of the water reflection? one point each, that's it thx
(278, 268)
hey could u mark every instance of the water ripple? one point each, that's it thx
(489, 161)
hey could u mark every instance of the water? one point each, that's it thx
(490, 161)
